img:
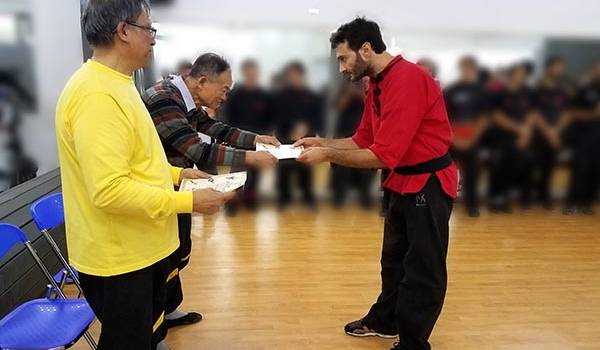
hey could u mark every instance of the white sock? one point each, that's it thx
(175, 315)
(162, 346)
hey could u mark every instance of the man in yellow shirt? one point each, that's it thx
(120, 206)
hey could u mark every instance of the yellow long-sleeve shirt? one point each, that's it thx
(120, 206)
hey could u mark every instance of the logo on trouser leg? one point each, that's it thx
(420, 200)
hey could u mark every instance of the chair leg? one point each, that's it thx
(49, 289)
(90, 340)
(63, 279)
(62, 259)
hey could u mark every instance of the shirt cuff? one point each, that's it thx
(247, 140)
(175, 174)
(360, 142)
(381, 154)
(184, 202)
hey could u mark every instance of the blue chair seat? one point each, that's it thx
(45, 323)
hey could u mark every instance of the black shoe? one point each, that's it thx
(357, 329)
(231, 210)
(500, 208)
(473, 212)
(569, 210)
(587, 210)
(548, 205)
(190, 318)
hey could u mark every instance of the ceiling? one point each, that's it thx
(528, 17)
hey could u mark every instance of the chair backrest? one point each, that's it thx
(48, 212)
(9, 236)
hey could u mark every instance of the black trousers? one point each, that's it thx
(178, 260)
(469, 171)
(585, 167)
(385, 199)
(510, 168)
(544, 163)
(248, 195)
(343, 179)
(129, 306)
(286, 170)
(413, 266)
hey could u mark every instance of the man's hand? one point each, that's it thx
(260, 159)
(268, 139)
(523, 138)
(208, 201)
(553, 137)
(190, 173)
(310, 142)
(315, 155)
(460, 145)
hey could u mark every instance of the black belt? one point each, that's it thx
(428, 167)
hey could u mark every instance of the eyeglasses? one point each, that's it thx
(150, 30)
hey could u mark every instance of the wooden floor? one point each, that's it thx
(291, 280)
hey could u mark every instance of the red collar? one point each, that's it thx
(387, 67)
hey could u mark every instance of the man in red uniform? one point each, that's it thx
(404, 128)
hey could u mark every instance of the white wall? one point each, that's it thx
(271, 47)
(539, 17)
(57, 54)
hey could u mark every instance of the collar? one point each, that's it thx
(177, 80)
(379, 78)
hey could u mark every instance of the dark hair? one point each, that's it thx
(209, 65)
(249, 63)
(358, 32)
(295, 66)
(527, 66)
(101, 17)
(552, 60)
(469, 61)
(184, 64)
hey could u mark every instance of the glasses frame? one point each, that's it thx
(150, 30)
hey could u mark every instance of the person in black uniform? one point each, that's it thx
(510, 163)
(297, 113)
(552, 101)
(585, 171)
(248, 108)
(467, 104)
(349, 106)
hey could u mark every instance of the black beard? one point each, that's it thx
(361, 69)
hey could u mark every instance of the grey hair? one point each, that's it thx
(100, 18)
(209, 65)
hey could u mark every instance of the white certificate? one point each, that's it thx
(221, 183)
(281, 152)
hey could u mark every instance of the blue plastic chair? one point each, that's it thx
(42, 323)
(47, 213)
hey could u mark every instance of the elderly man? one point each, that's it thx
(175, 105)
(120, 205)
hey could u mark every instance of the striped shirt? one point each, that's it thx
(178, 121)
